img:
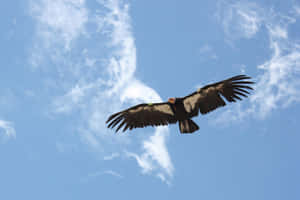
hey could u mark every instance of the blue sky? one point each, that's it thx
(66, 65)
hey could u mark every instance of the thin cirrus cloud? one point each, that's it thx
(106, 172)
(207, 51)
(7, 130)
(239, 20)
(277, 82)
(101, 173)
(65, 18)
(90, 89)
(111, 156)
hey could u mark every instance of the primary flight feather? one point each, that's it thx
(205, 99)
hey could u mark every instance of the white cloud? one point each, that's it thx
(102, 173)
(95, 92)
(113, 173)
(65, 18)
(73, 98)
(137, 91)
(122, 67)
(156, 148)
(278, 32)
(277, 84)
(240, 20)
(155, 155)
(207, 51)
(106, 172)
(7, 129)
(111, 157)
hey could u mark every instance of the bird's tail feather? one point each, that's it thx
(188, 126)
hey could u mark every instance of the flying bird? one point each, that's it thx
(182, 109)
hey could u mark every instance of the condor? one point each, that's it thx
(182, 109)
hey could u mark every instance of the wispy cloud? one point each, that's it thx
(277, 83)
(155, 156)
(113, 173)
(207, 51)
(72, 99)
(7, 130)
(111, 157)
(101, 173)
(240, 19)
(122, 67)
(106, 172)
(65, 18)
(92, 88)
(59, 24)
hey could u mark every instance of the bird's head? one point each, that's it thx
(172, 100)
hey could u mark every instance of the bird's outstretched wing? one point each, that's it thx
(142, 115)
(209, 97)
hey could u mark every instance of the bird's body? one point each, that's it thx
(186, 125)
(178, 109)
(182, 109)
